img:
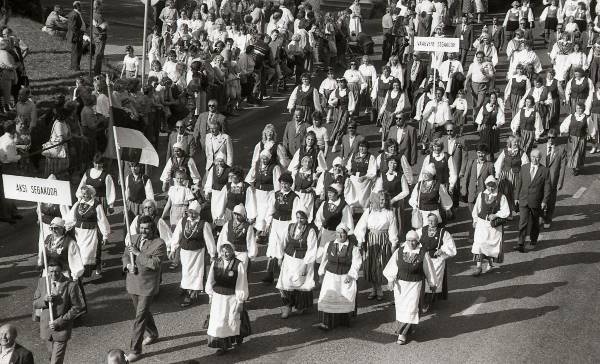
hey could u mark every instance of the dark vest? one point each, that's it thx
(489, 208)
(192, 239)
(137, 189)
(410, 267)
(182, 165)
(296, 247)
(580, 91)
(238, 237)
(86, 218)
(383, 87)
(392, 103)
(54, 254)
(578, 128)
(313, 153)
(329, 179)
(359, 164)
(342, 100)
(393, 187)
(339, 262)
(511, 162)
(489, 117)
(429, 201)
(284, 205)
(442, 171)
(219, 181)
(431, 244)
(304, 98)
(225, 276)
(235, 197)
(527, 122)
(331, 219)
(518, 88)
(302, 183)
(383, 166)
(264, 178)
(99, 183)
(273, 151)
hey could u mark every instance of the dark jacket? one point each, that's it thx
(201, 127)
(408, 144)
(74, 23)
(346, 149)
(292, 140)
(147, 280)
(531, 193)
(458, 154)
(467, 36)
(556, 164)
(472, 184)
(21, 355)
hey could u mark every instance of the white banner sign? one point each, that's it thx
(37, 190)
(436, 44)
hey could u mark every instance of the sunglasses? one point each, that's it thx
(212, 105)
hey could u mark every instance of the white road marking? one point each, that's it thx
(579, 192)
(473, 309)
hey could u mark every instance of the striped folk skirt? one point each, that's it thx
(379, 251)
(576, 152)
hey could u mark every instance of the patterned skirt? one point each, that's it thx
(576, 151)
(56, 166)
(506, 186)
(379, 251)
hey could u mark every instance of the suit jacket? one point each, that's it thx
(497, 38)
(347, 150)
(21, 355)
(467, 36)
(586, 41)
(458, 153)
(223, 145)
(472, 184)
(408, 144)
(528, 35)
(147, 280)
(74, 23)
(556, 164)
(188, 141)
(201, 127)
(292, 140)
(532, 193)
(66, 307)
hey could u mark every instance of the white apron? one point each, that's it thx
(439, 265)
(224, 319)
(277, 236)
(406, 300)
(262, 198)
(486, 239)
(337, 296)
(357, 193)
(192, 269)
(295, 275)
(87, 241)
(218, 200)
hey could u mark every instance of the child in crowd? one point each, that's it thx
(459, 108)
(320, 131)
(131, 64)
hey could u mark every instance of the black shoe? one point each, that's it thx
(520, 248)
(268, 279)
(323, 327)
(533, 243)
(187, 301)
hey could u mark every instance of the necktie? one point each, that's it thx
(532, 172)
(179, 138)
(549, 154)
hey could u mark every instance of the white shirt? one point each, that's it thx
(8, 149)
(532, 171)
(6, 354)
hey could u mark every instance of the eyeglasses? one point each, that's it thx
(148, 207)
(449, 130)
(212, 105)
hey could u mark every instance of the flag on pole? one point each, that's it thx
(135, 147)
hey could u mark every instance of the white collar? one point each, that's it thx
(407, 249)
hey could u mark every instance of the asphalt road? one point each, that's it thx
(538, 307)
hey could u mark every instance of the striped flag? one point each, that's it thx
(135, 147)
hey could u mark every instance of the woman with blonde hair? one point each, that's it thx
(508, 168)
(269, 142)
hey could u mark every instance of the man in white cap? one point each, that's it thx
(179, 161)
(240, 234)
(194, 236)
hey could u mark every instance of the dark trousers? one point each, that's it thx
(551, 205)
(99, 54)
(529, 219)
(298, 68)
(76, 52)
(57, 350)
(143, 323)
(463, 55)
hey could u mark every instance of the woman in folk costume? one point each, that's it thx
(508, 169)
(264, 178)
(269, 142)
(362, 168)
(397, 70)
(438, 17)
(338, 273)
(102, 182)
(381, 86)
(297, 278)
(594, 121)
(489, 119)
(304, 98)
(239, 192)
(336, 174)
(527, 57)
(311, 150)
(518, 85)
(369, 74)
(281, 212)
(87, 218)
(343, 101)
(215, 188)
(575, 127)
(395, 185)
(227, 287)
(559, 54)
(577, 59)
(393, 104)
(541, 99)
(438, 242)
(149, 208)
(179, 197)
(491, 208)
(593, 61)
(429, 197)
(326, 88)
(445, 170)
(377, 235)
(391, 152)
(528, 124)
(333, 211)
(48, 212)
(179, 161)
(356, 84)
(305, 181)
(240, 234)
(579, 89)
(405, 272)
(552, 15)
(481, 7)
(355, 18)
(138, 188)
(511, 20)
(556, 92)
(194, 236)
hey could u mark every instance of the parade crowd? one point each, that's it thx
(331, 207)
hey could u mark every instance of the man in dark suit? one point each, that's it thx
(75, 27)
(527, 32)
(464, 32)
(588, 38)
(497, 34)
(475, 172)
(406, 138)
(201, 125)
(181, 135)
(553, 157)
(457, 150)
(294, 133)
(532, 192)
(10, 351)
(142, 282)
(67, 302)
(350, 142)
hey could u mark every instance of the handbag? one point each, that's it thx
(52, 150)
(417, 218)
(497, 222)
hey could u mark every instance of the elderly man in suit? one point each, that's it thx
(294, 133)
(75, 28)
(475, 172)
(553, 157)
(10, 351)
(67, 302)
(464, 32)
(532, 192)
(350, 142)
(216, 143)
(201, 125)
(457, 150)
(406, 138)
(181, 135)
(142, 282)
(497, 34)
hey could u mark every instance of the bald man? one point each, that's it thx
(10, 351)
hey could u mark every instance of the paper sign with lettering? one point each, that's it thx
(436, 44)
(37, 190)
